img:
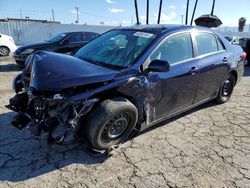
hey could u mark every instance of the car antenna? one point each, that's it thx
(136, 12)
(159, 15)
(186, 22)
(196, 2)
(147, 11)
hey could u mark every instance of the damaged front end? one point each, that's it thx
(55, 117)
(47, 97)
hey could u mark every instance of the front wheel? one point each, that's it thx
(111, 123)
(226, 89)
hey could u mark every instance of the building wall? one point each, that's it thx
(29, 32)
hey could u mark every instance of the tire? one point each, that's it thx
(4, 51)
(226, 89)
(111, 123)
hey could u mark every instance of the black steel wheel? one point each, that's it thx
(111, 123)
(226, 89)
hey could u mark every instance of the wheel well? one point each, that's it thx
(234, 73)
(5, 47)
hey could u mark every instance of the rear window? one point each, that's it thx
(220, 45)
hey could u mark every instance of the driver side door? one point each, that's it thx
(176, 89)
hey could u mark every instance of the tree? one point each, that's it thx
(242, 23)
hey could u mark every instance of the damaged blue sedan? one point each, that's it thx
(125, 80)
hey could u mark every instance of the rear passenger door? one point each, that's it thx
(213, 64)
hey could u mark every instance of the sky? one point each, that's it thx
(122, 12)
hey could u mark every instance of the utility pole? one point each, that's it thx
(53, 15)
(77, 14)
(212, 11)
(21, 15)
(159, 14)
(182, 18)
(187, 7)
(147, 12)
(191, 23)
(136, 13)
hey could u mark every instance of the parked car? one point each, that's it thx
(125, 80)
(243, 43)
(233, 40)
(7, 45)
(66, 43)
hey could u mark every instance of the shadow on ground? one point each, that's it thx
(9, 67)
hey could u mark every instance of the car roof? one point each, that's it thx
(161, 28)
(73, 32)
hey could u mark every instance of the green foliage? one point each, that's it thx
(242, 23)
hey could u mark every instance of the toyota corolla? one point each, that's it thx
(125, 80)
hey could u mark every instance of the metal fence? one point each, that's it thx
(27, 32)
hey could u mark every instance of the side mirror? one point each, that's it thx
(158, 66)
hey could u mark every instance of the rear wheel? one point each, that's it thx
(111, 123)
(4, 51)
(226, 89)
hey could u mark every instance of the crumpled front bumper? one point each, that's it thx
(57, 117)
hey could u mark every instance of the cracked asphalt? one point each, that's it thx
(208, 146)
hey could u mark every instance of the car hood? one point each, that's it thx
(36, 45)
(53, 71)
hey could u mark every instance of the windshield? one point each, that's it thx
(117, 48)
(57, 38)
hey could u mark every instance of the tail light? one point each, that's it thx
(244, 56)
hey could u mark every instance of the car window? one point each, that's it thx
(206, 43)
(220, 45)
(176, 48)
(75, 38)
(91, 35)
(84, 37)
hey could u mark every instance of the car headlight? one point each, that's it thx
(28, 51)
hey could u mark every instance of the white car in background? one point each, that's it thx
(7, 45)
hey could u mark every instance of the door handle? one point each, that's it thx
(224, 60)
(193, 70)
